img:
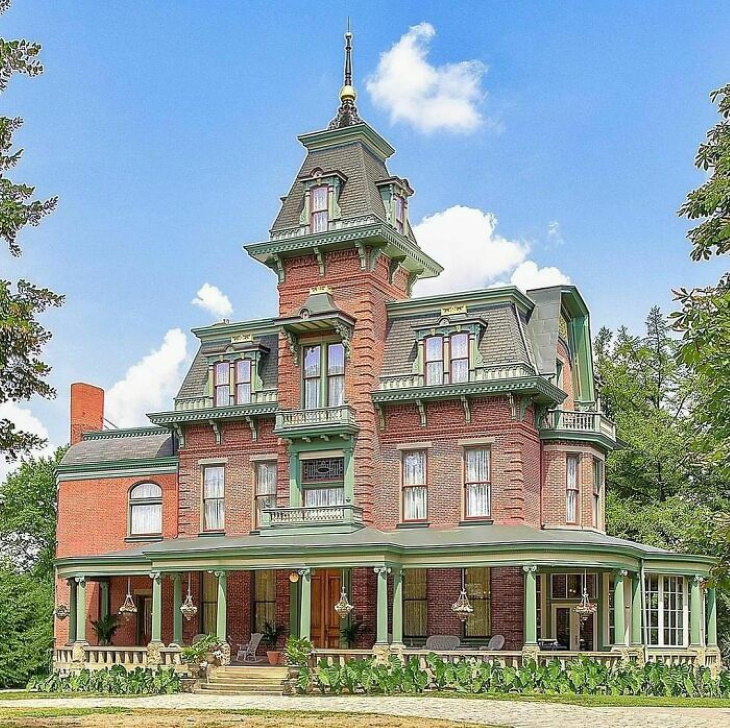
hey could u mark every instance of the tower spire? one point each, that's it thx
(347, 113)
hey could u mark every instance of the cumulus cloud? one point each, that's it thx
(529, 275)
(23, 419)
(213, 300)
(464, 240)
(428, 97)
(148, 384)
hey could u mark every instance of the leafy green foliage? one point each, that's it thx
(197, 652)
(582, 676)
(115, 680)
(270, 634)
(298, 650)
(22, 372)
(105, 628)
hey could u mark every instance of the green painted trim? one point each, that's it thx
(223, 332)
(235, 412)
(294, 609)
(595, 438)
(362, 132)
(695, 612)
(428, 304)
(381, 631)
(619, 609)
(221, 619)
(523, 385)
(72, 610)
(530, 616)
(636, 610)
(305, 604)
(123, 432)
(711, 616)
(116, 469)
(81, 610)
(156, 607)
(177, 617)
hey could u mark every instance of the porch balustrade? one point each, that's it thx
(570, 421)
(190, 404)
(106, 656)
(290, 517)
(482, 374)
(343, 416)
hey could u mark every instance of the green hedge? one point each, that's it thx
(115, 680)
(582, 676)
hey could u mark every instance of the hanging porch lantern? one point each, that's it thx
(61, 611)
(188, 609)
(461, 607)
(129, 608)
(585, 608)
(343, 607)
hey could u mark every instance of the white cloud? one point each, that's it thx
(149, 384)
(529, 275)
(23, 419)
(464, 241)
(428, 97)
(213, 300)
(554, 233)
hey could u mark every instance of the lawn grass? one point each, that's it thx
(211, 718)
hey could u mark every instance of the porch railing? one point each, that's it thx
(99, 657)
(482, 374)
(115, 655)
(189, 404)
(591, 422)
(290, 517)
(293, 419)
(674, 657)
(506, 658)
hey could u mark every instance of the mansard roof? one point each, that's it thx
(108, 446)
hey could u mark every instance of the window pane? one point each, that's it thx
(477, 465)
(312, 361)
(414, 467)
(460, 346)
(317, 497)
(243, 370)
(434, 373)
(434, 348)
(265, 478)
(311, 394)
(323, 470)
(146, 519)
(145, 490)
(335, 359)
(477, 500)
(571, 506)
(213, 514)
(213, 482)
(222, 396)
(476, 583)
(415, 504)
(415, 609)
(264, 503)
(319, 197)
(572, 471)
(222, 371)
(336, 391)
(243, 393)
(459, 370)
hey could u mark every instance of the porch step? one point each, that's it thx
(235, 680)
(246, 671)
(242, 689)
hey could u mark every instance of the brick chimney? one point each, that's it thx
(87, 409)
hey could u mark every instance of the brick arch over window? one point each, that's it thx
(145, 509)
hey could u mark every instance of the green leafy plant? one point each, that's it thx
(298, 650)
(197, 652)
(115, 680)
(105, 628)
(350, 632)
(271, 633)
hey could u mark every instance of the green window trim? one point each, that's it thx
(311, 450)
(323, 386)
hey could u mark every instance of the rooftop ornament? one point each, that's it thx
(585, 609)
(347, 113)
(188, 609)
(129, 607)
(461, 607)
(343, 607)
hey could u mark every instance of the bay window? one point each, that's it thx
(213, 498)
(477, 495)
(222, 384)
(319, 206)
(666, 607)
(145, 510)
(243, 381)
(572, 491)
(323, 481)
(264, 489)
(324, 375)
(415, 492)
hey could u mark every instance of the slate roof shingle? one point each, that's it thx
(111, 449)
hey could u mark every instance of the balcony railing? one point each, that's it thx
(189, 404)
(308, 516)
(483, 374)
(589, 422)
(327, 418)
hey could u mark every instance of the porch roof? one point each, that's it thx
(412, 547)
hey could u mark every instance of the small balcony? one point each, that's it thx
(191, 404)
(330, 519)
(578, 425)
(316, 422)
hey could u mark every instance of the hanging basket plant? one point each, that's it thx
(461, 607)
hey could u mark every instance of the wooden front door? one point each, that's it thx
(325, 627)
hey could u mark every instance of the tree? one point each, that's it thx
(22, 338)
(705, 316)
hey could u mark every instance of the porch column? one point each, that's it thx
(711, 616)
(695, 611)
(398, 606)
(103, 598)
(177, 617)
(530, 605)
(305, 607)
(80, 609)
(222, 611)
(382, 605)
(156, 635)
(619, 608)
(72, 610)
(636, 609)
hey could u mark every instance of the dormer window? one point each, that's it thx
(222, 385)
(319, 218)
(243, 381)
(434, 360)
(459, 351)
(399, 204)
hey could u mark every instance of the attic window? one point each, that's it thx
(399, 204)
(319, 208)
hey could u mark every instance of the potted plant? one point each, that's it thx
(105, 628)
(350, 631)
(201, 654)
(270, 635)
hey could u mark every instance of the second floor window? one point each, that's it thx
(213, 498)
(415, 492)
(324, 375)
(323, 481)
(243, 381)
(145, 510)
(476, 482)
(222, 385)
(400, 214)
(319, 208)
(597, 488)
(265, 489)
(571, 488)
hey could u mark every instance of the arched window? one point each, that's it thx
(145, 510)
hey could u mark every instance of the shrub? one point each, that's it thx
(583, 676)
(115, 680)
(298, 650)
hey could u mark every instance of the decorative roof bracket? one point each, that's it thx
(293, 343)
(217, 430)
(252, 426)
(421, 411)
(180, 433)
(319, 255)
(467, 408)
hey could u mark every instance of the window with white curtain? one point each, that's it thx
(572, 463)
(415, 491)
(434, 366)
(477, 488)
(213, 498)
(667, 614)
(243, 381)
(265, 489)
(324, 375)
(323, 481)
(459, 355)
(312, 373)
(320, 208)
(145, 510)
(335, 375)
(222, 384)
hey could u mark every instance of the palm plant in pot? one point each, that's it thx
(104, 628)
(270, 635)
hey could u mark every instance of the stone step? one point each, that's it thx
(254, 680)
(280, 673)
(238, 689)
(198, 691)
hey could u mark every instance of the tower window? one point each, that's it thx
(459, 369)
(400, 213)
(330, 388)
(319, 208)
(222, 384)
(243, 381)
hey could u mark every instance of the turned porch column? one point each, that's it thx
(695, 612)
(156, 635)
(305, 606)
(381, 631)
(636, 609)
(222, 611)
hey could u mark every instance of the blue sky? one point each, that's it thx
(168, 130)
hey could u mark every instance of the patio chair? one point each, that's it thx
(247, 652)
(443, 642)
(495, 644)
